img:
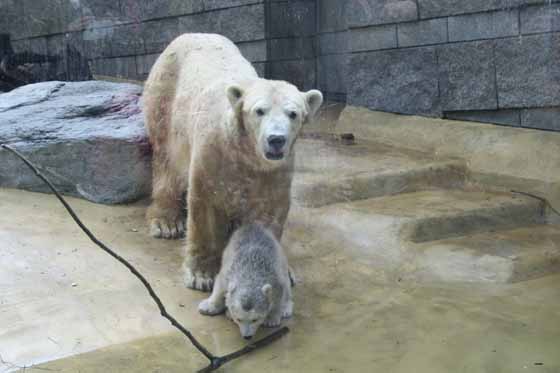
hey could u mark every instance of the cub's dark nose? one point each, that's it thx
(276, 142)
(247, 337)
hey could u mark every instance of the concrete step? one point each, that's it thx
(329, 172)
(430, 215)
(505, 256)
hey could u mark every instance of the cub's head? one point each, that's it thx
(249, 308)
(272, 113)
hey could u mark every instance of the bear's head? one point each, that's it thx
(271, 113)
(249, 307)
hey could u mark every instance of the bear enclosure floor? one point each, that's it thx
(60, 296)
(402, 265)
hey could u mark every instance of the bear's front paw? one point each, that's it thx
(198, 280)
(288, 310)
(167, 227)
(206, 307)
(272, 322)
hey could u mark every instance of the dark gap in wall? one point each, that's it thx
(267, 36)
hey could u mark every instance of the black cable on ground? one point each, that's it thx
(545, 202)
(215, 361)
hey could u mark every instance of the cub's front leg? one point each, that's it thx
(274, 318)
(215, 304)
(287, 303)
(206, 238)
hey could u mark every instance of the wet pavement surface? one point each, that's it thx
(65, 302)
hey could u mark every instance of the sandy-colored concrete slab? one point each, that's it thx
(528, 158)
(60, 296)
(328, 172)
(358, 324)
(502, 256)
(431, 215)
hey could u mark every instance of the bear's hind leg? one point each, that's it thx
(167, 214)
(207, 228)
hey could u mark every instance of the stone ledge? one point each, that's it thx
(511, 158)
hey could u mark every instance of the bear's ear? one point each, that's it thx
(313, 100)
(267, 291)
(234, 95)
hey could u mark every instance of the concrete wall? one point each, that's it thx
(485, 60)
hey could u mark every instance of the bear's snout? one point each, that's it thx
(276, 142)
(275, 147)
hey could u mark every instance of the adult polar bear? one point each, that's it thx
(225, 137)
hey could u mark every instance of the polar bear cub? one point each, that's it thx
(253, 282)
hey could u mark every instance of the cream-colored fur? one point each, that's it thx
(210, 120)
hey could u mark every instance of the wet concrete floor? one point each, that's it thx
(65, 301)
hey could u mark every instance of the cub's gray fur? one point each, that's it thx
(253, 282)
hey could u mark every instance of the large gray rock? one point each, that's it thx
(88, 138)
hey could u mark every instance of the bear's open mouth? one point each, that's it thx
(274, 156)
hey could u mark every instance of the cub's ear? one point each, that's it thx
(267, 290)
(235, 95)
(313, 100)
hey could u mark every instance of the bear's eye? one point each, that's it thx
(254, 320)
(260, 112)
(293, 115)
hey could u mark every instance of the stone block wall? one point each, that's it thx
(122, 38)
(485, 60)
(290, 34)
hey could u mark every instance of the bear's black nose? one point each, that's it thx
(247, 337)
(276, 142)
